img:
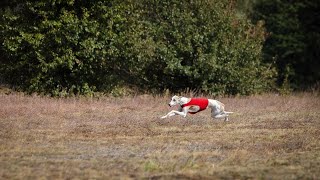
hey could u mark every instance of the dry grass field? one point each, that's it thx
(268, 137)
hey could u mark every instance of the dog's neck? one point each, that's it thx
(184, 100)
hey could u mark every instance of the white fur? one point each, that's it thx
(217, 108)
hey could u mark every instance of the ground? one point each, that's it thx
(268, 137)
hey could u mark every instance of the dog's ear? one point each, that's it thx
(175, 97)
(179, 99)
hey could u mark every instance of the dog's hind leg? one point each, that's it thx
(225, 116)
(216, 113)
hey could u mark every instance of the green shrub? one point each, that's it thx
(202, 45)
(61, 46)
(71, 47)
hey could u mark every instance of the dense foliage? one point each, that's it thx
(78, 47)
(294, 39)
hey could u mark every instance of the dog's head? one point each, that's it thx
(175, 100)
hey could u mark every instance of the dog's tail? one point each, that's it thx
(228, 112)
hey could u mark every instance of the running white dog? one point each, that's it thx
(195, 105)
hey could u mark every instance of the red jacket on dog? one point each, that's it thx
(201, 102)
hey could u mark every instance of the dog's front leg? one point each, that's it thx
(174, 112)
(168, 115)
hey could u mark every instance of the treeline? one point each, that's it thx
(80, 47)
(293, 38)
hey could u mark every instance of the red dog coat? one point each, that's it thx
(201, 102)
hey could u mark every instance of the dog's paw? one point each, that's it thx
(163, 117)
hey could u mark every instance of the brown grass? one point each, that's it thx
(269, 137)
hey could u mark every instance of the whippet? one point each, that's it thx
(195, 105)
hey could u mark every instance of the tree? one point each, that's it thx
(294, 39)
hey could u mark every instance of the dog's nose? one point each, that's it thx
(169, 104)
